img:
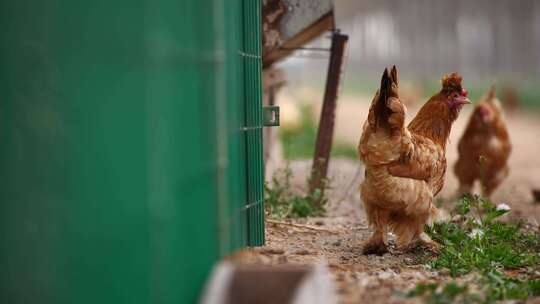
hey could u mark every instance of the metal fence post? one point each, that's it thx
(326, 124)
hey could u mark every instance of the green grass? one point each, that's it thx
(493, 289)
(476, 241)
(300, 143)
(282, 202)
(449, 293)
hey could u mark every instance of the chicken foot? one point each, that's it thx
(377, 243)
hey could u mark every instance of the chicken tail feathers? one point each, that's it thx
(386, 110)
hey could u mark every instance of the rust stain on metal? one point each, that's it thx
(326, 124)
(272, 13)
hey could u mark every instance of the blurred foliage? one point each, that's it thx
(282, 202)
(299, 143)
(449, 293)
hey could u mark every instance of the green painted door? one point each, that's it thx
(130, 147)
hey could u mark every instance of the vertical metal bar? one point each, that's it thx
(242, 78)
(326, 124)
(253, 122)
(260, 173)
(252, 67)
(254, 113)
(248, 99)
(245, 50)
(224, 227)
(252, 198)
(256, 122)
(261, 150)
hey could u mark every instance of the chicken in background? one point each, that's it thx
(511, 101)
(405, 165)
(484, 148)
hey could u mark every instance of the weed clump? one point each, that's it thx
(503, 254)
(282, 202)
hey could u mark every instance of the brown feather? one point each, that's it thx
(484, 147)
(405, 168)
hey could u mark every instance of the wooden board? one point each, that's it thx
(289, 24)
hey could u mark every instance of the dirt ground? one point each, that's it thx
(337, 238)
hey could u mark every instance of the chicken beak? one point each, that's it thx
(463, 100)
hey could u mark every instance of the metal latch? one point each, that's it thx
(271, 116)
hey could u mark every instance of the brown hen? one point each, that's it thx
(484, 148)
(405, 165)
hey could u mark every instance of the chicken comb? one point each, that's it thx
(452, 82)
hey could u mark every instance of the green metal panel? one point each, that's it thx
(233, 223)
(243, 223)
(181, 103)
(130, 147)
(73, 153)
(253, 95)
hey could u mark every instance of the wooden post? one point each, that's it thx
(326, 124)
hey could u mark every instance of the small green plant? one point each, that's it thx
(477, 241)
(282, 202)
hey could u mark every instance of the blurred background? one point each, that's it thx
(485, 41)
